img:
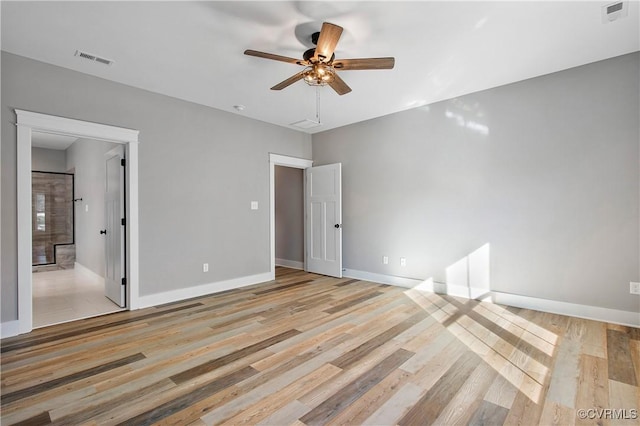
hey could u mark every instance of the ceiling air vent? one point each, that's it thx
(614, 11)
(93, 58)
(305, 124)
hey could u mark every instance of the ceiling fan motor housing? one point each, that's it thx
(314, 37)
(309, 54)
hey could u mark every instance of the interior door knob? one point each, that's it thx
(337, 225)
(103, 231)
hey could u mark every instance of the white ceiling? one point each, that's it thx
(194, 50)
(51, 141)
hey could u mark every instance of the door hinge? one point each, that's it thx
(124, 281)
(122, 162)
(123, 221)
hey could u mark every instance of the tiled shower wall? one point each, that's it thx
(52, 219)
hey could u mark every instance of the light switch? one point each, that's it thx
(86, 207)
(254, 205)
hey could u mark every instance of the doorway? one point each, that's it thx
(29, 123)
(286, 161)
(289, 217)
(70, 263)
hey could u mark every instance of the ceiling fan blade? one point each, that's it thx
(288, 81)
(327, 41)
(274, 57)
(364, 64)
(339, 86)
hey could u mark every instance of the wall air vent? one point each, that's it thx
(614, 11)
(93, 58)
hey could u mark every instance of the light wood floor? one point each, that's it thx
(307, 349)
(67, 295)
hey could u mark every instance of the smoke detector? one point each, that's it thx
(614, 11)
(92, 57)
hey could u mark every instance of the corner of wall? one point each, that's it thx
(9, 329)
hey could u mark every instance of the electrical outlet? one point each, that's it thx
(634, 288)
(385, 260)
(205, 267)
(403, 261)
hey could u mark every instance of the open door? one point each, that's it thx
(323, 219)
(114, 279)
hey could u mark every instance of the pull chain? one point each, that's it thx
(318, 104)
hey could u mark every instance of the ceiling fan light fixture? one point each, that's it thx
(318, 74)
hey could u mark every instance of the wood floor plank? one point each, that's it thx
(366, 405)
(56, 337)
(309, 349)
(218, 362)
(624, 399)
(427, 410)
(557, 414)
(593, 387)
(196, 395)
(468, 399)
(501, 393)
(7, 398)
(351, 392)
(619, 356)
(259, 411)
(488, 414)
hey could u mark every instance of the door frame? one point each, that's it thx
(28, 122)
(280, 160)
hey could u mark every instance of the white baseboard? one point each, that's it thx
(570, 309)
(9, 329)
(290, 263)
(201, 290)
(383, 279)
(545, 305)
(83, 269)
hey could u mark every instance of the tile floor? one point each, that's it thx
(67, 295)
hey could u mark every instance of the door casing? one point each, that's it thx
(28, 122)
(279, 160)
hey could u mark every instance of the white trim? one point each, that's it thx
(279, 160)
(84, 270)
(596, 313)
(383, 279)
(25, 302)
(201, 290)
(9, 329)
(27, 122)
(295, 264)
(82, 129)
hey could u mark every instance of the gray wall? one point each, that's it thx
(546, 171)
(48, 160)
(191, 210)
(86, 157)
(289, 213)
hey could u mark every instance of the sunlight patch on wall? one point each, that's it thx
(470, 276)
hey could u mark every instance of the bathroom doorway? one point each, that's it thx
(68, 215)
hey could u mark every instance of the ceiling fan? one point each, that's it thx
(320, 62)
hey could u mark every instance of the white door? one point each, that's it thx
(114, 279)
(323, 222)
